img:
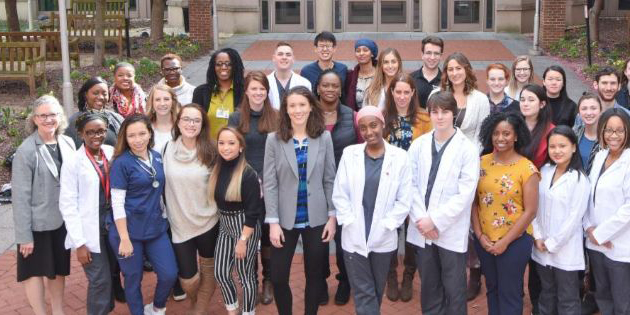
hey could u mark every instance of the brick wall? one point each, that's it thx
(200, 15)
(553, 21)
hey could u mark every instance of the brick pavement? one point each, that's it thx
(13, 300)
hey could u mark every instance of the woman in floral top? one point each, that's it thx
(404, 119)
(506, 204)
(126, 96)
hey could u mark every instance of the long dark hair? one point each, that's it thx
(470, 83)
(517, 122)
(576, 160)
(556, 68)
(121, 143)
(269, 119)
(390, 111)
(206, 151)
(315, 124)
(542, 121)
(82, 104)
(238, 71)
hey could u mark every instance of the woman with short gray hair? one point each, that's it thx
(39, 228)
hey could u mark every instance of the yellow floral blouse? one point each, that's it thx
(500, 193)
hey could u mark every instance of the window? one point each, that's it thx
(264, 18)
(287, 12)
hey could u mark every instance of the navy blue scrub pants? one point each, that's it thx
(160, 253)
(504, 275)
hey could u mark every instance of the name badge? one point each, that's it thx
(225, 114)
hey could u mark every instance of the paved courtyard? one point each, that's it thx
(481, 48)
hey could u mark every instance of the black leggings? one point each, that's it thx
(186, 252)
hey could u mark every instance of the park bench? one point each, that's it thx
(88, 7)
(24, 61)
(82, 27)
(53, 43)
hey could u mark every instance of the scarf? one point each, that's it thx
(120, 104)
(183, 154)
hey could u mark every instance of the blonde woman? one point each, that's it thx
(162, 109)
(522, 74)
(389, 65)
(235, 188)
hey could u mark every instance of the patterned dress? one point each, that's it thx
(500, 193)
(401, 134)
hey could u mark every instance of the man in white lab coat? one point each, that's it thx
(282, 79)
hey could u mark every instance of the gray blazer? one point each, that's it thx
(35, 187)
(280, 180)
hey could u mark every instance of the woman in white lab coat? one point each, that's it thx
(84, 202)
(608, 216)
(558, 249)
(445, 172)
(372, 196)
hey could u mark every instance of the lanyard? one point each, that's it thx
(103, 176)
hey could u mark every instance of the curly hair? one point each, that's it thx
(470, 83)
(515, 120)
(238, 74)
(315, 125)
(82, 103)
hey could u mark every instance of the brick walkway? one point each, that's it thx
(13, 300)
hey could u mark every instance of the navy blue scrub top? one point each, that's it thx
(142, 201)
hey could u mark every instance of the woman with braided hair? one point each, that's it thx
(84, 202)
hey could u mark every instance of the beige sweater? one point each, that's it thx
(187, 207)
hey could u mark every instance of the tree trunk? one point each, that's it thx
(157, 20)
(13, 22)
(99, 40)
(594, 13)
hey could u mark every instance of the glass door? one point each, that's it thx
(360, 16)
(466, 15)
(394, 15)
(288, 16)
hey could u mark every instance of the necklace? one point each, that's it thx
(330, 113)
(52, 147)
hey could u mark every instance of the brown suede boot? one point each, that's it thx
(206, 286)
(392, 286)
(474, 283)
(406, 288)
(191, 286)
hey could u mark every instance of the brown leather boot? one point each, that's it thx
(474, 283)
(392, 286)
(406, 288)
(266, 297)
(191, 286)
(206, 286)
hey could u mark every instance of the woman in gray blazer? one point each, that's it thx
(299, 174)
(39, 229)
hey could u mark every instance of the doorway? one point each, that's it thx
(377, 15)
(467, 15)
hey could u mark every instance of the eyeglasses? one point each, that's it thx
(610, 132)
(325, 47)
(522, 69)
(187, 120)
(223, 65)
(174, 69)
(96, 133)
(45, 117)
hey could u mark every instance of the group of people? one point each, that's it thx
(199, 181)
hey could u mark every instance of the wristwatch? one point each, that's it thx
(243, 238)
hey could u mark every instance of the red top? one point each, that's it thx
(541, 152)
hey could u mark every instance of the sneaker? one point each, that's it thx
(149, 310)
(178, 292)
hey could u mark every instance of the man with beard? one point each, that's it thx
(606, 84)
(171, 66)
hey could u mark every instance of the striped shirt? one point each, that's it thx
(301, 153)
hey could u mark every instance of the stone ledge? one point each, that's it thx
(237, 8)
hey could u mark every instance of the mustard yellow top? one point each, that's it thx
(500, 193)
(221, 106)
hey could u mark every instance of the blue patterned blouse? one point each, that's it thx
(301, 153)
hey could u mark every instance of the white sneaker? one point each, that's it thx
(149, 310)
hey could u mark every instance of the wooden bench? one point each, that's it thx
(53, 43)
(24, 61)
(82, 27)
(88, 7)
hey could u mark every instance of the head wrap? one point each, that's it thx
(370, 111)
(89, 115)
(370, 44)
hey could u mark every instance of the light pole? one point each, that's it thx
(68, 104)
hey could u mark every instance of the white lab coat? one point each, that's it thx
(392, 200)
(453, 191)
(609, 209)
(561, 208)
(274, 95)
(79, 200)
